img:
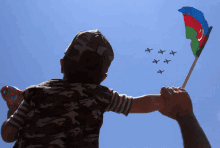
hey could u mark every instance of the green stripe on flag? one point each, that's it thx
(191, 34)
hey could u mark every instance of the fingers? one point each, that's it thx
(174, 90)
(171, 90)
(164, 92)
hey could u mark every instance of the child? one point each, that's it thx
(69, 112)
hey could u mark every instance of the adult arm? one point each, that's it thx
(192, 133)
(178, 106)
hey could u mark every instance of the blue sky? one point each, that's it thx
(35, 34)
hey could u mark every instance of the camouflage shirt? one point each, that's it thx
(62, 115)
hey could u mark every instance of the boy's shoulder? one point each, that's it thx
(60, 83)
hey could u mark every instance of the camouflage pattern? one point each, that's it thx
(64, 115)
(91, 40)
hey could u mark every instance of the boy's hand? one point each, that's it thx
(12, 109)
(177, 102)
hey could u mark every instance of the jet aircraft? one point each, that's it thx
(172, 52)
(160, 71)
(148, 49)
(155, 61)
(161, 51)
(166, 61)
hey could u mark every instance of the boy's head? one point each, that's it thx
(87, 58)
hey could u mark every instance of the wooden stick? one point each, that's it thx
(190, 71)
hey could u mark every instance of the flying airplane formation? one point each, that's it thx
(160, 71)
(155, 61)
(148, 49)
(166, 61)
(172, 52)
(161, 51)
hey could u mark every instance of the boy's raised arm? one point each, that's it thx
(147, 103)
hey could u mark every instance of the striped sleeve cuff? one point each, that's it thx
(120, 104)
(19, 115)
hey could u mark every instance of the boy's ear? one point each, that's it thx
(61, 63)
(105, 75)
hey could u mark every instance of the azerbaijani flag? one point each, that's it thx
(197, 29)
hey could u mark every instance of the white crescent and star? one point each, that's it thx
(199, 39)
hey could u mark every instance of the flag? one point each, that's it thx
(197, 29)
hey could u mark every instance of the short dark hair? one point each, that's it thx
(88, 70)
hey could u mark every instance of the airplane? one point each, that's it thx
(166, 61)
(161, 51)
(160, 71)
(148, 49)
(155, 61)
(172, 52)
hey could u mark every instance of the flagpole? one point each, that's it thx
(190, 71)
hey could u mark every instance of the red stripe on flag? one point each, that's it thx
(192, 22)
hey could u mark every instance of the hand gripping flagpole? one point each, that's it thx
(190, 71)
